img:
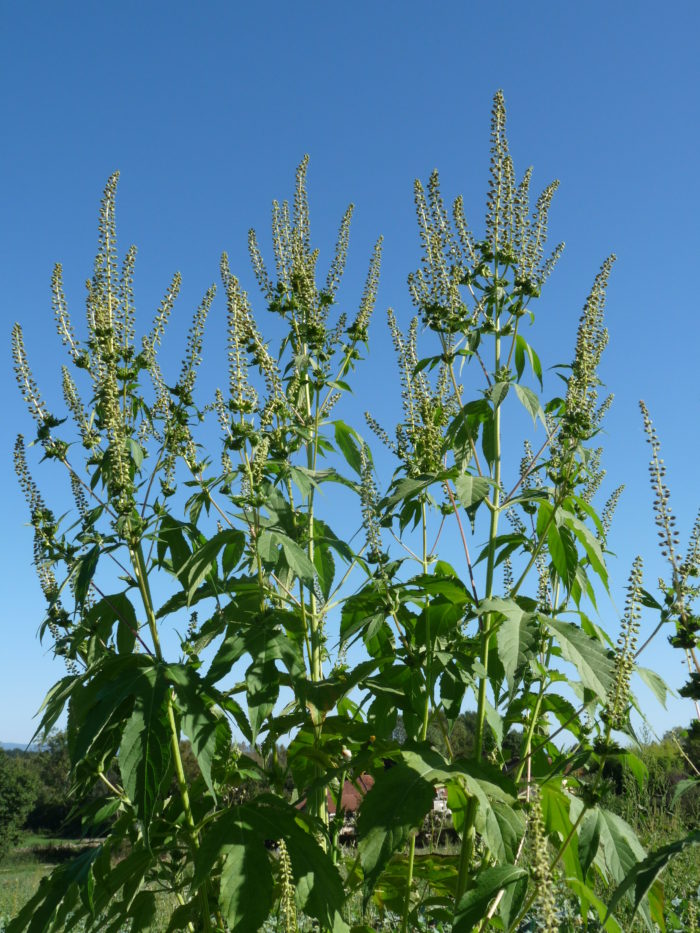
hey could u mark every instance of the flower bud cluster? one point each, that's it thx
(608, 512)
(243, 397)
(680, 592)
(287, 889)
(541, 870)
(370, 511)
(515, 240)
(90, 437)
(193, 349)
(594, 474)
(62, 316)
(581, 415)
(358, 329)
(618, 698)
(420, 437)
(45, 527)
(25, 380)
(665, 519)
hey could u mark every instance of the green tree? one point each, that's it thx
(18, 792)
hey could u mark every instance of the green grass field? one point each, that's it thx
(19, 879)
(21, 871)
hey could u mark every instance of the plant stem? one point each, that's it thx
(147, 599)
(468, 838)
(424, 724)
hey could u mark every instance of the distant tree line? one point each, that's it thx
(35, 786)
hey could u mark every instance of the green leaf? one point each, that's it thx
(516, 638)
(86, 567)
(504, 832)
(544, 517)
(634, 764)
(262, 689)
(494, 721)
(54, 703)
(144, 754)
(408, 488)
(232, 554)
(60, 886)
(319, 890)
(325, 567)
(393, 808)
(589, 838)
(522, 348)
(247, 887)
(588, 540)
(649, 601)
(297, 560)
(171, 538)
(116, 608)
(497, 392)
(143, 911)
(643, 875)
(94, 705)
(471, 489)
(530, 403)
(349, 441)
(654, 682)
(562, 550)
(474, 903)
(201, 721)
(621, 848)
(586, 896)
(586, 654)
(203, 560)
(488, 439)
(135, 452)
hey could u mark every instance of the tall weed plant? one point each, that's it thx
(258, 571)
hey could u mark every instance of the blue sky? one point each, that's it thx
(206, 109)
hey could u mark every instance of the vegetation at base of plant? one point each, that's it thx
(294, 625)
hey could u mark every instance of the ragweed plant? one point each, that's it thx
(249, 553)
(451, 630)
(237, 544)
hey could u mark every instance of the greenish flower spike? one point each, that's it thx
(540, 870)
(618, 699)
(62, 317)
(420, 437)
(243, 396)
(75, 406)
(288, 905)
(44, 525)
(193, 347)
(370, 510)
(25, 380)
(665, 519)
(608, 512)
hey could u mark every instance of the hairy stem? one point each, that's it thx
(424, 724)
(141, 575)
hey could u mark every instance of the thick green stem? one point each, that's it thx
(469, 833)
(318, 804)
(424, 724)
(141, 575)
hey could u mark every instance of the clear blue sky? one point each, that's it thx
(207, 108)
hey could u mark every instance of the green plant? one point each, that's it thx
(249, 544)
